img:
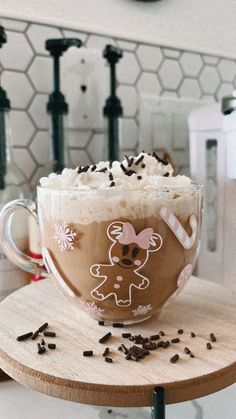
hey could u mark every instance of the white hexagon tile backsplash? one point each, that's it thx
(160, 71)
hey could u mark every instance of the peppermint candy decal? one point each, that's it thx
(64, 236)
(176, 227)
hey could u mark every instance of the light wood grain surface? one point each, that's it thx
(203, 307)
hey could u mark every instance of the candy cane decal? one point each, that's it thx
(187, 241)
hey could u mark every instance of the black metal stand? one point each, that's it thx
(158, 409)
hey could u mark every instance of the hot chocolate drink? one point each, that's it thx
(120, 239)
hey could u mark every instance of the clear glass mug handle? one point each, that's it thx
(14, 254)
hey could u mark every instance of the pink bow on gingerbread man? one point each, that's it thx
(129, 236)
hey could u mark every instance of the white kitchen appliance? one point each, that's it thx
(213, 163)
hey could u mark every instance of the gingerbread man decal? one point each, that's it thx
(128, 254)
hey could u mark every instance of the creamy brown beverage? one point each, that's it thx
(121, 239)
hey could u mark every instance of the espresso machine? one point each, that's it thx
(212, 145)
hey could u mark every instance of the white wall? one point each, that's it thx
(201, 25)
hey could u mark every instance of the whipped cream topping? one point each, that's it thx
(144, 172)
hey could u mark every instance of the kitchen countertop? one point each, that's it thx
(18, 402)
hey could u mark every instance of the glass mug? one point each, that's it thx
(120, 254)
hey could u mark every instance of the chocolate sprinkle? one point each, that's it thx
(110, 176)
(130, 162)
(139, 177)
(50, 334)
(105, 338)
(175, 340)
(103, 170)
(101, 323)
(193, 335)
(192, 355)
(166, 344)
(52, 346)
(166, 174)
(41, 349)
(174, 358)
(107, 359)
(123, 168)
(82, 169)
(212, 337)
(139, 160)
(106, 352)
(143, 166)
(93, 168)
(180, 331)
(154, 337)
(165, 162)
(208, 345)
(187, 350)
(34, 336)
(88, 353)
(42, 342)
(112, 184)
(25, 336)
(126, 335)
(161, 333)
(118, 324)
(43, 327)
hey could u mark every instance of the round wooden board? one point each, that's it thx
(203, 307)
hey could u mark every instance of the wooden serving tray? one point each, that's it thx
(203, 307)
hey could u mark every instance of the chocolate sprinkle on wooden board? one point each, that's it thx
(175, 340)
(105, 338)
(212, 337)
(41, 349)
(88, 353)
(126, 335)
(50, 334)
(52, 346)
(43, 327)
(25, 336)
(139, 160)
(208, 345)
(154, 337)
(34, 336)
(174, 358)
(107, 359)
(106, 352)
(166, 344)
